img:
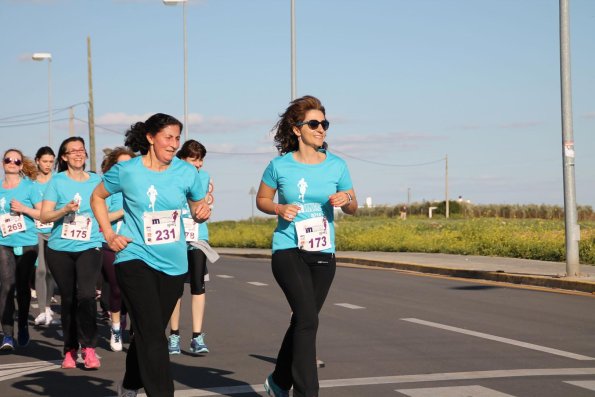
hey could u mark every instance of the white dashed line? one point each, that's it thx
(585, 384)
(224, 276)
(455, 391)
(349, 306)
(256, 283)
(500, 339)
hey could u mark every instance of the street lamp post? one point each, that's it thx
(170, 3)
(41, 56)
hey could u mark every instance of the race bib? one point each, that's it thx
(313, 234)
(40, 225)
(77, 227)
(11, 224)
(161, 227)
(190, 229)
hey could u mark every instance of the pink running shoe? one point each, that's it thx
(91, 360)
(69, 361)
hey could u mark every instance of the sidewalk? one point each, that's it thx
(510, 270)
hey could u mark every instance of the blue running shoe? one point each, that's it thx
(197, 345)
(173, 344)
(23, 336)
(7, 343)
(272, 389)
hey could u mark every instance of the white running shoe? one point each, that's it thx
(40, 319)
(122, 392)
(115, 341)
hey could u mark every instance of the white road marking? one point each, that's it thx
(349, 306)
(35, 305)
(11, 371)
(585, 384)
(381, 380)
(257, 283)
(224, 276)
(500, 339)
(455, 391)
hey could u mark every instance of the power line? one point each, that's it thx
(26, 124)
(387, 164)
(36, 115)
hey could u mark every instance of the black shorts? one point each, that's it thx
(197, 270)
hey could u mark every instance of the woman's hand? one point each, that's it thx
(117, 242)
(17, 206)
(202, 211)
(287, 211)
(339, 199)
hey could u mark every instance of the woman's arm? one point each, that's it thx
(265, 203)
(17, 206)
(346, 200)
(49, 213)
(200, 210)
(115, 241)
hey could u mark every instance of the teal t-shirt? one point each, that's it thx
(147, 191)
(61, 189)
(203, 230)
(309, 186)
(114, 203)
(41, 188)
(28, 195)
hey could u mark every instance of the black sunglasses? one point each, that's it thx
(8, 160)
(313, 124)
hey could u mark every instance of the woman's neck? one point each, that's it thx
(11, 181)
(308, 155)
(44, 178)
(151, 161)
(77, 174)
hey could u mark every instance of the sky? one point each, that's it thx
(406, 84)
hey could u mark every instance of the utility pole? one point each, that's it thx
(293, 60)
(570, 213)
(71, 122)
(252, 192)
(446, 187)
(91, 110)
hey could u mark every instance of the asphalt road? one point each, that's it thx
(382, 333)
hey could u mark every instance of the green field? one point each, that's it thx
(517, 238)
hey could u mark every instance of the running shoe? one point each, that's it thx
(91, 359)
(40, 319)
(123, 392)
(69, 361)
(7, 343)
(173, 344)
(115, 341)
(272, 389)
(197, 345)
(23, 336)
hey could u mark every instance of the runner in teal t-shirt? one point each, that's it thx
(44, 282)
(74, 254)
(151, 249)
(197, 237)
(20, 203)
(310, 182)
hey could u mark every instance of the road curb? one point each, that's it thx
(571, 284)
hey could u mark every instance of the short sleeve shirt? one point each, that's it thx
(28, 195)
(308, 186)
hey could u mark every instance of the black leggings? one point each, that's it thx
(305, 279)
(109, 274)
(197, 270)
(15, 273)
(76, 274)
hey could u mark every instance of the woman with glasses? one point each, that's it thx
(20, 203)
(44, 282)
(310, 183)
(150, 247)
(74, 250)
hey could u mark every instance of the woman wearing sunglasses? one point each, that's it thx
(74, 254)
(310, 182)
(20, 203)
(44, 282)
(151, 262)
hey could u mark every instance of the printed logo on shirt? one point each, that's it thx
(302, 186)
(3, 204)
(152, 194)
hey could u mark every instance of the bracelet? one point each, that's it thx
(349, 197)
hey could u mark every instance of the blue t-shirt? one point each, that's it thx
(114, 203)
(203, 230)
(27, 195)
(309, 186)
(41, 187)
(144, 190)
(61, 190)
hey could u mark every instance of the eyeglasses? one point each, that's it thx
(16, 162)
(76, 151)
(313, 124)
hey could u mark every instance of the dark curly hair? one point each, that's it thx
(285, 140)
(136, 136)
(62, 165)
